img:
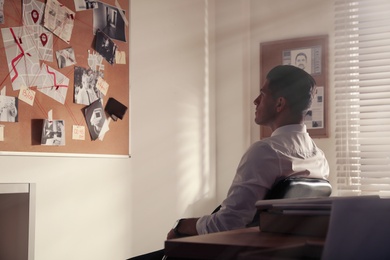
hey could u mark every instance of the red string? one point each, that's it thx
(14, 17)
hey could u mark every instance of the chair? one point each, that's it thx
(296, 187)
(299, 187)
(291, 187)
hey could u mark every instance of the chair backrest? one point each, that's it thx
(296, 187)
(299, 187)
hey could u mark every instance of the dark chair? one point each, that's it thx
(296, 187)
(299, 187)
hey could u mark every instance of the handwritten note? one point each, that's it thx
(27, 95)
(120, 57)
(78, 132)
(102, 85)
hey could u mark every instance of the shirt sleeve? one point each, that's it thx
(256, 173)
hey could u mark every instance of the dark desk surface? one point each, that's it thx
(230, 244)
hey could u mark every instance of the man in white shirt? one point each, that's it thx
(284, 99)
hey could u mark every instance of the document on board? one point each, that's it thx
(33, 20)
(59, 19)
(52, 83)
(22, 57)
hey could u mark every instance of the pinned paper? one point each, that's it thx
(2, 133)
(102, 85)
(1, 12)
(3, 91)
(27, 95)
(52, 83)
(105, 129)
(20, 50)
(78, 132)
(120, 57)
(65, 57)
(32, 20)
(95, 117)
(59, 19)
(50, 115)
(121, 12)
(53, 132)
(8, 109)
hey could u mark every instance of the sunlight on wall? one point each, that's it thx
(195, 174)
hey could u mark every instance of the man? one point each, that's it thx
(284, 99)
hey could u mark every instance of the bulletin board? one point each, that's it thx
(83, 62)
(310, 54)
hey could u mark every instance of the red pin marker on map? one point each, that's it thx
(35, 15)
(43, 38)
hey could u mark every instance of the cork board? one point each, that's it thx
(89, 17)
(311, 54)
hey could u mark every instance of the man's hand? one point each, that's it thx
(186, 227)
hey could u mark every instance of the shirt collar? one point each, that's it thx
(300, 128)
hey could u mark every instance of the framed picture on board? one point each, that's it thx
(311, 55)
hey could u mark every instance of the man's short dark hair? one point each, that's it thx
(294, 84)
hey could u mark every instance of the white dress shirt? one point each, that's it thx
(289, 151)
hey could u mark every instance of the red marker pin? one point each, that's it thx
(43, 38)
(35, 15)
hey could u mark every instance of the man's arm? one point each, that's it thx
(185, 227)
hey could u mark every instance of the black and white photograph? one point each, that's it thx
(109, 20)
(8, 109)
(105, 46)
(85, 90)
(65, 57)
(308, 59)
(53, 132)
(82, 5)
(95, 117)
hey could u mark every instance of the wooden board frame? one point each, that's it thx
(284, 51)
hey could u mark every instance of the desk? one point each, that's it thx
(237, 243)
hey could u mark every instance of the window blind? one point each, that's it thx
(362, 88)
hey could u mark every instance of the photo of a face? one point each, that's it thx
(301, 58)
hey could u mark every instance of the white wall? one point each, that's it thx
(182, 119)
(172, 175)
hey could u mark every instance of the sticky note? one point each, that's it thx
(102, 85)
(78, 132)
(120, 57)
(27, 95)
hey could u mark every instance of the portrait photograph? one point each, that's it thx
(308, 59)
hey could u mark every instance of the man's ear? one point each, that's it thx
(280, 104)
